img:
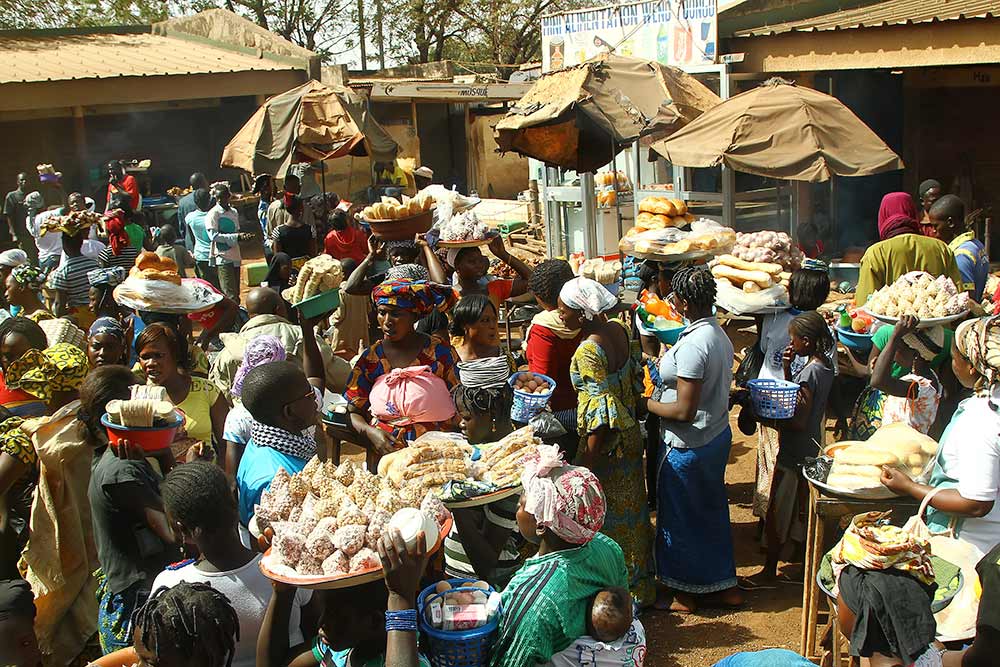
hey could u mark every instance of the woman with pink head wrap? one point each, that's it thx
(546, 603)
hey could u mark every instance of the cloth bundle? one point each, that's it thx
(412, 395)
(871, 543)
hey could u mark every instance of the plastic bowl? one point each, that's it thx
(150, 439)
(669, 336)
(321, 304)
(859, 342)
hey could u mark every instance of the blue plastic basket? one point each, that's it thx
(773, 399)
(457, 648)
(528, 405)
(859, 342)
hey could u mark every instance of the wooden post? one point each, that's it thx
(416, 132)
(470, 171)
(80, 139)
(534, 208)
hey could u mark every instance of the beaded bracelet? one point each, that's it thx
(401, 621)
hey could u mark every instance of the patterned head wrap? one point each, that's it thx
(30, 276)
(588, 296)
(407, 272)
(419, 296)
(568, 500)
(261, 350)
(107, 325)
(978, 341)
(110, 276)
(16, 443)
(811, 264)
(390, 246)
(13, 257)
(115, 225)
(928, 343)
(42, 373)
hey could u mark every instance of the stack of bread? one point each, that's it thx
(706, 236)
(327, 519)
(749, 276)
(147, 404)
(320, 274)
(660, 212)
(426, 465)
(603, 271)
(391, 208)
(150, 266)
(857, 466)
(502, 461)
(615, 180)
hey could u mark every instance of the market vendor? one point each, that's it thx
(120, 182)
(948, 217)
(967, 469)
(403, 356)
(472, 273)
(23, 286)
(928, 193)
(901, 249)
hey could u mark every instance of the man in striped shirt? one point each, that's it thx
(70, 280)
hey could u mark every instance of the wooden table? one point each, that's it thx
(340, 433)
(824, 509)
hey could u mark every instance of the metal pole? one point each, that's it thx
(589, 202)
(618, 206)
(728, 175)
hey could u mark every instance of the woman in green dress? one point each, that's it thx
(605, 371)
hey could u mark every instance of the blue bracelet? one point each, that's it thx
(401, 621)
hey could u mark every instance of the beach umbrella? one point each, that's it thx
(309, 123)
(780, 130)
(580, 117)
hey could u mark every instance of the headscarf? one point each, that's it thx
(811, 264)
(929, 184)
(110, 276)
(16, 443)
(928, 343)
(16, 599)
(115, 225)
(897, 215)
(420, 296)
(259, 351)
(393, 245)
(588, 296)
(30, 276)
(273, 278)
(42, 373)
(568, 500)
(978, 341)
(107, 325)
(407, 272)
(13, 257)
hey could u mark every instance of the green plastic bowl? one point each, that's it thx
(321, 304)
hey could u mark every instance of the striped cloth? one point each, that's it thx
(545, 605)
(126, 259)
(501, 515)
(71, 277)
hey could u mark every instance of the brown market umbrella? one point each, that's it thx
(781, 130)
(308, 123)
(571, 118)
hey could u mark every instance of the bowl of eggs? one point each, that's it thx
(531, 394)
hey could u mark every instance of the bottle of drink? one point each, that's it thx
(663, 44)
(845, 319)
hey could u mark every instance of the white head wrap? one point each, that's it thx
(568, 500)
(13, 257)
(588, 296)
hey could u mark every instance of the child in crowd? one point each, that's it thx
(912, 399)
(189, 625)
(18, 645)
(202, 510)
(801, 436)
(614, 637)
(435, 325)
(472, 273)
(173, 249)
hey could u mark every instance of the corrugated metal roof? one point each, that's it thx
(51, 57)
(888, 13)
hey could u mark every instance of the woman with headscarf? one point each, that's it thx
(606, 372)
(65, 588)
(24, 284)
(967, 470)
(546, 603)
(121, 250)
(694, 543)
(102, 287)
(928, 193)
(261, 350)
(346, 239)
(106, 343)
(404, 359)
(901, 249)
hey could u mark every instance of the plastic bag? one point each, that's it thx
(749, 368)
(160, 296)
(736, 301)
(546, 425)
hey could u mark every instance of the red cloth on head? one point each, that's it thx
(350, 243)
(897, 215)
(117, 237)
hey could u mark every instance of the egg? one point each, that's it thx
(527, 375)
(532, 385)
(481, 584)
(442, 586)
(519, 385)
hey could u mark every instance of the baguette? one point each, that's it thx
(743, 265)
(740, 276)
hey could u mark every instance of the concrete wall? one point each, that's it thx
(494, 175)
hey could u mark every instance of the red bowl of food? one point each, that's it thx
(150, 439)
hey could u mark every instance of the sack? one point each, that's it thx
(749, 368)
(412, 395)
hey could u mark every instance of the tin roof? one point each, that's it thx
(881, 14)
(54, 55)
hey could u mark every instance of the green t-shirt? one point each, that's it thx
(881, 338)
(135, 235)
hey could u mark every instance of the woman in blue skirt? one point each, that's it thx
(694, 546)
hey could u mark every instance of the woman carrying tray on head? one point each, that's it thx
(472, 273)
(484, 542)
(404, 355)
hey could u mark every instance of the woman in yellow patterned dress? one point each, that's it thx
(605, 373)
